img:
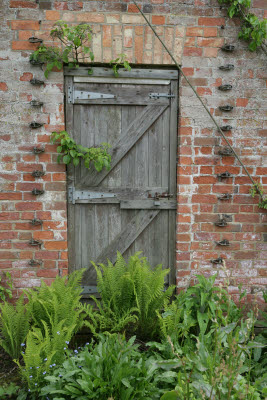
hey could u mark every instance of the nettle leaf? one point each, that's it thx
(59, 149)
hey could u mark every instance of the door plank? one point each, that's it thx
(128, 235)
(135, 131)
(147, 204)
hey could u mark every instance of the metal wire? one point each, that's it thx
(200, 99)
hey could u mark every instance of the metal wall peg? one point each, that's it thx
(224, 88)
(225, 151)
(35, 242)
(35, 262)
(226, 108)
(224, 175)
(34, 39)
(36, 82)
(223, 242)
(38, 150)
(35, 125)
(217, 260)
(36, 62)
(227, 67)
(225, 196)
(228, 47)
(226, 128)
(36, 222)
(221, 222)
(38, 174)
(36, 103)
(37, 192)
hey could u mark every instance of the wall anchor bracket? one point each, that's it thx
(223, 242)
(224, 175)
(217, 260)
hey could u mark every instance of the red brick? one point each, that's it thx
(56, 245)
(206, 21)
(210, 32)
(197, 198)
(22, 4)
(192, 52)
(20, 45)
(47, 273)
(32, 205)
(25, 25)
(158, 19)
(132, 8)
(3, 86)
(26, 76)
(241, 102)
(214, 42)
(8, 255)
(9, 216)
(194, 31)
(10, 196)
(260, 4)
(43, 235)
(52, 15)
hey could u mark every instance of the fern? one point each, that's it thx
(129, 291)
(14, 326)
(43, 352)
(58, 302)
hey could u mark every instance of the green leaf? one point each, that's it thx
(67, 159)
(59, 149)
(73, 153)
(173, 395)
(75, 161)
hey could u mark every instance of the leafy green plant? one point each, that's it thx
(134, 287)
(8, 391)
(75, 41)
(198, 311)
(7, 289)
(72, 152)
(252, 29)
(110, 369)
(14, 326)
(120, 62)
(43, 352)
(57, 303)
(257, 189)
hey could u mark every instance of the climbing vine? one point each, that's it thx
(252, 29)
(71, 152)
(258, 189)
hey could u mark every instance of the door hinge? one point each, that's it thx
(85, 95)
(75, 195)
(158, 95)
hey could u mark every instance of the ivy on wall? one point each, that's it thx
(253, 30)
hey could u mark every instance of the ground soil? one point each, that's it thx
(8, 369)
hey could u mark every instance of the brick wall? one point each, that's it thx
(194, 30)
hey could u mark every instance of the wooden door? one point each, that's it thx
(132, 207)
